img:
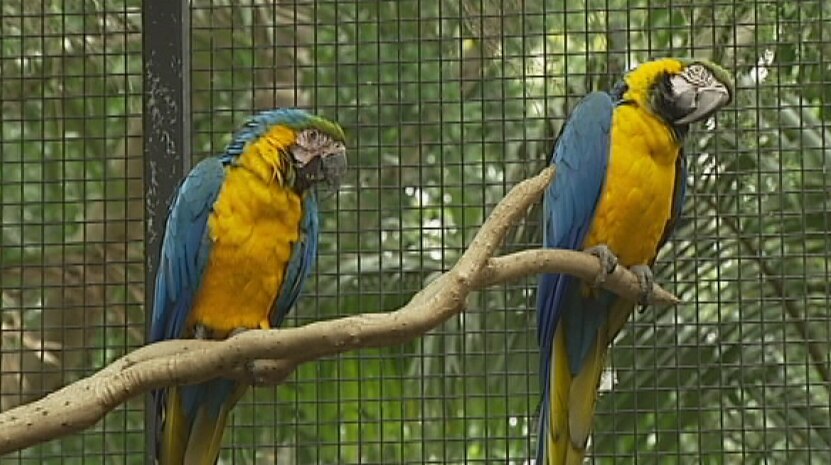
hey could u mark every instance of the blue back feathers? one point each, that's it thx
(185, 249)
(581, 156)
(302, 260)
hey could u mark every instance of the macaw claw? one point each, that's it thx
(646, 281)
(608, 263)
(201, 332)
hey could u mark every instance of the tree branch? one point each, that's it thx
(273, 355)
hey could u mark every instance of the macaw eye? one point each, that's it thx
(695, 69)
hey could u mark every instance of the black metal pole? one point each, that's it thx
(166, 59)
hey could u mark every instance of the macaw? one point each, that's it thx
(617, 193)
(240, 239)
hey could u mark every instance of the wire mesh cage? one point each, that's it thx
(446, 106)
(71, 202)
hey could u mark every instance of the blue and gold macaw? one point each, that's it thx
(240, 239)
(617, 193)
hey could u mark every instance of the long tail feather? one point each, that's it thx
(573, 397)
(174, 436)
(573, 401)
(194, 422)
(558, 436)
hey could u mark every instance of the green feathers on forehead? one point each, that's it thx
(323, 125)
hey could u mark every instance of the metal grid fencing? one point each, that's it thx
(71, 203)
(446, 105)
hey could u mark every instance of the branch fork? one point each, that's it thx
(269, 356)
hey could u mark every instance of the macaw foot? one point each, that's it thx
(201, 332)
(608, 263)
(646, 281)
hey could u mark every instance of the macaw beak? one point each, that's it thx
(707, 101)
(327, 168)
(333, 167)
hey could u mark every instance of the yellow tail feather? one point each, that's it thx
(174, 436)
(558, 436)
(200, 445)
(573, 399)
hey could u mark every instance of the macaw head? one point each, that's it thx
(680, 91)
(293, 147)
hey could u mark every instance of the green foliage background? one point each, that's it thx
(447, 105)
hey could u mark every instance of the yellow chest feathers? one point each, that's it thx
(253, 228)
(640, 182)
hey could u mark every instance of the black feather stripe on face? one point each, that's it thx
(665, 106)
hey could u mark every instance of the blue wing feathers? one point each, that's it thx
(185, 249)
(581, 156)
(302, 260)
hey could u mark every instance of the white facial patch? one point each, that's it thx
(311, 143)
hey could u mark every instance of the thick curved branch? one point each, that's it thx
(277, 353)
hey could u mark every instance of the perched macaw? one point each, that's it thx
(240, 240)
(617, 193)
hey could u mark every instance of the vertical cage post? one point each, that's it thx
(166, 59)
